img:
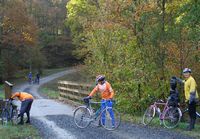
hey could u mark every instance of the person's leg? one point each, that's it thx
(192, 114)
(103, 106)
(22, 111)
(30, 101)
(109, 104)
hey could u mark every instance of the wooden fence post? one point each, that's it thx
(73, 93)
(8, 89)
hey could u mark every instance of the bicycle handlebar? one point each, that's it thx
(89, 101)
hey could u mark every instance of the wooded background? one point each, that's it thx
(137, 44)
(33, 36)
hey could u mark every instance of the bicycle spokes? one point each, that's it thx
(172, 117)
(110, 118)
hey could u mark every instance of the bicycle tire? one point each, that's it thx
(148, 115)
(172, 117)
(82, 117)
(198, 114)
(14, 118)
(110, 123)
(187, 111)
(4, 117)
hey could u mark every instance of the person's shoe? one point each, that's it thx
(189, 127)
(28, 122)
(20, 123)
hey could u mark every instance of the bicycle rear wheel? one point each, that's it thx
(110, 118)
(148, 115)
(82, 117)
(4, 117)
(172, 117)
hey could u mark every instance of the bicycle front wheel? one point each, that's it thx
(4, 117)
(172, 117)
(15, 119)
(110, 118)
(148, 115)
(82, 117)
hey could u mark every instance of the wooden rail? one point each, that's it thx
(73, 93)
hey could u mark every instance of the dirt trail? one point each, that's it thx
(54, 120)
(43, 107)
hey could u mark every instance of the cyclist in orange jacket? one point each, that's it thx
(27, 100)
(107, 94)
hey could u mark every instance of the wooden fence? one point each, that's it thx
(73, 93)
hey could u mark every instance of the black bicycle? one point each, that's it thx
(185, 111)
(9, 113)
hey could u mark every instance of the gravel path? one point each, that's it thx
(54, 120)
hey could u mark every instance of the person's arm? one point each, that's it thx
(192, 91)
(111, 91)
(94, 91)
(15, 95)
(179, 80)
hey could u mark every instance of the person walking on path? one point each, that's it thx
(38, 78)
(27, 100)
(191, 95)
(30, 77)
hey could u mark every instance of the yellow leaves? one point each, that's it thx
(27, 36)
(179, 18)
(175, 5)
(146, 7)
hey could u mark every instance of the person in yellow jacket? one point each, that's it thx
(27, 100)
(191, 95)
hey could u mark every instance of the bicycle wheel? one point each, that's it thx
(172, 117)
(148, 115)
(110, 118)
(198, 114)
(15, 119)
(82, 117)
(4, 117)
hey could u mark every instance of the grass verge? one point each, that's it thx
(52, 94)
(2, 95)
(50, 89)
(19, 132)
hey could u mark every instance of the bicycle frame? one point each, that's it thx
(166, 107)
(97, 112)
(9, 107)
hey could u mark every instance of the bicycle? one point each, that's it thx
(84, 115)
(9, 113)
(184, 111)
(170, 116)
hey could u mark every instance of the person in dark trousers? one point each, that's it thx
(38, 78)
(174, 94)
(191, 95)
(27, 100)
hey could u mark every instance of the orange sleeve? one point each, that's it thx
(15, 95)
(111, 91)
(112, 94)
(94, 91)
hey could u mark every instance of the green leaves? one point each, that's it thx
(137, 45)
